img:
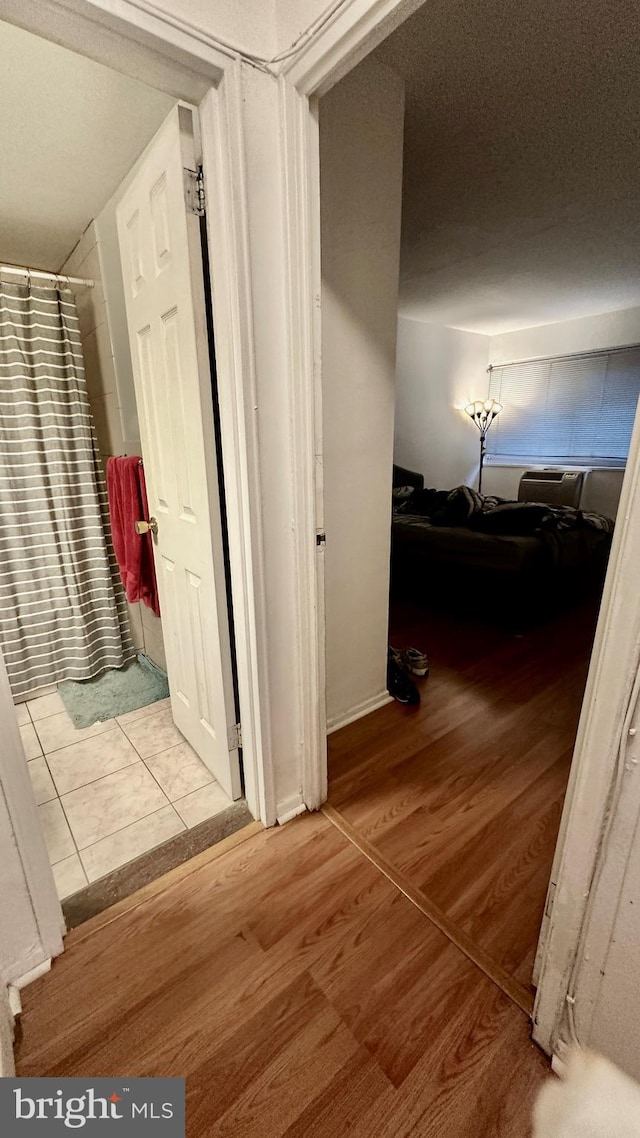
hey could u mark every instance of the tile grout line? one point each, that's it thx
(57, 795)
(84, 739)
(53, 781)
(172, 802)
(64, 813)
(121, 829)
(169, 803)
(493, 971)
(70, 828)
(77, 849)
(151, 812)
(139, 758)
(172, 806)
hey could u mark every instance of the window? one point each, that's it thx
(566, 408)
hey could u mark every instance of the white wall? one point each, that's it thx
(293, 17)
(85, 261)
(439, 371)
(247, 25)
(19, 940)
(609, 330)
(600, 489)
(71, 162)
(31, 923)
(614, 1029)
(361, 138)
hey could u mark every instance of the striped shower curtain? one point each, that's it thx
(63, 613)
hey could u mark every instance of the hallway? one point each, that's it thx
(462, 796)
(299, 993)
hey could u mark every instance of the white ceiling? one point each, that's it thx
(70, 129)
(522, 160)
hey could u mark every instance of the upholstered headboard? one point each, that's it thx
(404, 477)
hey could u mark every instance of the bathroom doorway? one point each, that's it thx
(114, 777)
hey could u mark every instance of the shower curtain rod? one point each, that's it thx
(40, 276)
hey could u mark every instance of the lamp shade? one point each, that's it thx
(483, 412)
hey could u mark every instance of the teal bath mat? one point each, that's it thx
(114, 692)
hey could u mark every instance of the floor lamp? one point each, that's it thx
(483, 412)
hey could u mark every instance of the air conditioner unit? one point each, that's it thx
(555, 487)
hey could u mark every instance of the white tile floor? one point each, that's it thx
(113, 791)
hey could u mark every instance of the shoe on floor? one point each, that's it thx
(398, 683)
(414, 661)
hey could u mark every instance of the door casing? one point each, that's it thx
(190, 63)
(175, 59)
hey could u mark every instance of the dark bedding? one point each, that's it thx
(463, 546)
(526, 553)
(487, 514)
(491, 532)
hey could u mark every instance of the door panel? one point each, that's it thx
(162, 268)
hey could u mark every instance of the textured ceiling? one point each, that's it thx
(70, 129)
(522, 160)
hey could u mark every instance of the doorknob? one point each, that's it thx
(146, 527)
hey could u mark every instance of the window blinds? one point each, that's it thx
(567, 407)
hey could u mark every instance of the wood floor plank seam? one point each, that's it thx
(510, 987)
(296, 999)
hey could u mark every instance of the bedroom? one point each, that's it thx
(505, 144)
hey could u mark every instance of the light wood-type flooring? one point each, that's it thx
(461, 797)
(300, 993)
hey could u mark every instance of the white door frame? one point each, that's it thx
(189, 63)
(24, 844)
(341, 42)
(186, 63)
(601, 797)
(346, 39)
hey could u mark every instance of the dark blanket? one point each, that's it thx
(465, 507)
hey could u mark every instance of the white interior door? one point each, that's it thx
(159, 240)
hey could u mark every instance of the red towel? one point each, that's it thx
(134, 552)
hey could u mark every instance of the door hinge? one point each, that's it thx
(321, 539)
(235, 737)
(194, 191)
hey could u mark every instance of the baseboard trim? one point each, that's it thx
(7, 1060)
(33, 974)
(289, 808)
(493, 971)
(359, 711)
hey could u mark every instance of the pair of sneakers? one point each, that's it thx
(401, 665)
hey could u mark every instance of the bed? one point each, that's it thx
(527, 574)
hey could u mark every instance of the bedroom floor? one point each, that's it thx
(462, 795)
